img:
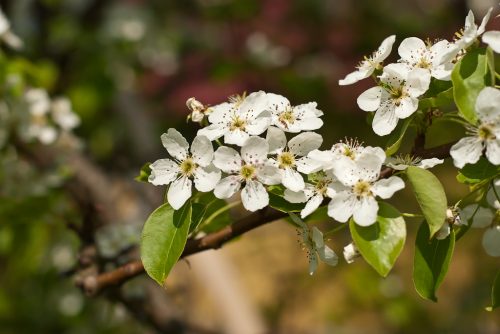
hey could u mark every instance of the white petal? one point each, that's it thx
(485, 20)
(365, 213)
(307, 165)
(255, 150)
(406, 107)
(221, 113)
(491, 241)
(206, 178)
(307, 110)
(468, 150)
(411, 48)
(304, 143)
(395, 74)
(429, 163)
(227, 187)
(276, 139)
(277, 103)
(385, 120)
(443, 232)
(370, 99)
(492, 38)
(176, 145)
(418, 81)
(269, 175)
(253, 105)
(482, 217)
(202, 151)
(257, 126)
(254, 196)
(47, 135)
(368, 166)
(493, 151)
(385, 188)
(227, 159)
(488, 105)
(236, 137)
(341, 206)
(213, 131)
(350, 253)
(346, 171)
(385, 49)
(307, 124)
(292, 179)
(360, 74)
(163, 171)
(179, 192)
(311, 205)
(295, 196)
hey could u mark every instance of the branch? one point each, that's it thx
(93, 284)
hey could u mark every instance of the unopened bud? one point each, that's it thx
(197, 109)
(350, 252)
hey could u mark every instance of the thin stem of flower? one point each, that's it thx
(336, 229)
(494, 190)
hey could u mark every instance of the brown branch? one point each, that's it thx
(93, 284)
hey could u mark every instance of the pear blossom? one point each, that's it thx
(314, 243)
(361, 185)
(370, 64)
(484, 135)
(396, 98)
(314, 193)
(453, 218)
(238, 119)
(252, 168)
(492, 38)
(197, 109)
(351, 252)
(291, 158)
(6, 33)
(304, 117)
(403, 162)
(187, 164)
(39, 126)
(416, 53)
(63, 115)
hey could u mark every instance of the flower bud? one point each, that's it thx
(350, 252)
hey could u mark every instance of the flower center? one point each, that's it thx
(247, 172)
(424, 63)
(322, 186)
(286, 160)
(287, 117)
(485, 132)
(398, 94)
(362, 189)
(188, 167)
(238, 124)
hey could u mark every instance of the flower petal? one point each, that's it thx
(213, 131)
(418, 81)
(488, 105)
(227, 187)
(206, 178)
(384, 49)
(202, 151)
(276, 139)
(307, 165)
(179, 192)
(341, 206)
(254, 196)
(370, 99)
(253, 105)
(304, 143)
(295, 196)
(277, 103)
(492, 38)
(269, 175)
(163, 172)
(407, 106)
(429, 163)
(385, 188)
(227, 159)
(353, 77)
(411, 48)
(385, 120)
(311, 205)
(255, 150)
(292, 179)
(468, 150)
(236, 137)
(258, 125)
(365, 212)
(176, 145)
(491, 241)
(493, 151)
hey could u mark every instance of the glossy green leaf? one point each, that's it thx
(482, 170)
(495, 293)
(396, 137)
(431, 261)
(144, 173)
(163, 239)
(277, 200)
(430, 196)
(440, 93)
(198, 214)
(470, 75)
(381, 243)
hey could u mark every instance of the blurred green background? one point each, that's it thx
(128, 67)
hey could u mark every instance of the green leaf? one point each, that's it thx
(381, 243)
(397, 136)
(217, 214)
(495, 293)
(199, 211)
(480, 171)
(469, 77)
(277, 200)
(439, 94)
(430, 196)
(431, 262)
(163, 239)
(144, 173)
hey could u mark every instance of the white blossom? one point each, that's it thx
(416, 53)
(238, 119)
(63, 115)
(351, 252)
(6, 33)
(290, 157)
(304, 117)
(197, 109)
(186, 164)
(252, 168)
(396, 98)
(370, 64)
(361, 186)
(39, 126)
(403, 162)
(313, 193)
(484, 135)
(492, 38)
(314, 243)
